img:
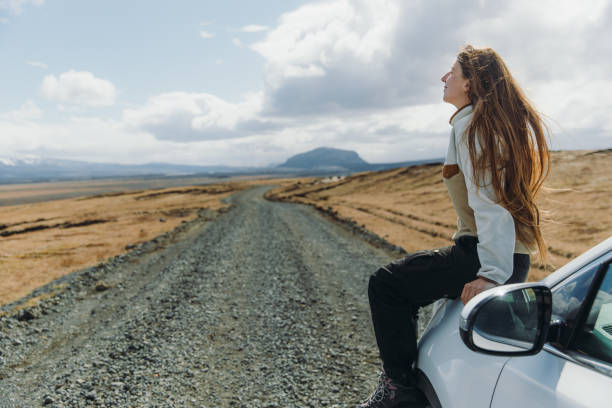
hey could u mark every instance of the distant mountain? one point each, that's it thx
(33, 170)
(322, 161)
(326, 158)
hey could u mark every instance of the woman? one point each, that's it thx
(496, 162)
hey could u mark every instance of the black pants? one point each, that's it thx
(396, 291)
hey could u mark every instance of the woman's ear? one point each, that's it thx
(466, 86)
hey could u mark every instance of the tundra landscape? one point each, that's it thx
(43, 241)
(211, 296)
(409, 207)
(194, 195)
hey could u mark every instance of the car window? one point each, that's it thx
(594, 338)
(568, 297)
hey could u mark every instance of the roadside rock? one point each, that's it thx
(101, 286)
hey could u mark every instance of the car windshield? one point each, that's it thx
(569, 296)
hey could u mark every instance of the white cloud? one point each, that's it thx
(17, 6)
(366, 75)
(37, 64)
(196, 117)
(184, 117)
(79, 88)
(254, 28)
(111, 141)
(26, 112)
(355, 74)
(344, 56)
(329, 56)
(90, 139)
(206, 34)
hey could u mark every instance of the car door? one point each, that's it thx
(575, 370)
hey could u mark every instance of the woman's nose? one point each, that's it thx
(444, 77)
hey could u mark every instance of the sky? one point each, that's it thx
(254, 82)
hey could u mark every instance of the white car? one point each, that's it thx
(541, 344)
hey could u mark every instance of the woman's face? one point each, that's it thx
(456, 87)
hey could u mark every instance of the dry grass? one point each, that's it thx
(410, 207)
(43, 241)
(40, 192)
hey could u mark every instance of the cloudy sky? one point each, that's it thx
(253, 82)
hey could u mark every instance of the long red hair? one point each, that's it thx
(512, 143)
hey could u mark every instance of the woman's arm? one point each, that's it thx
(494, 224)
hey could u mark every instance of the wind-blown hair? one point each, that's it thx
(512, 145)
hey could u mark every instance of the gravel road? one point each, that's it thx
(262, 306)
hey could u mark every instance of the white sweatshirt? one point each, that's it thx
(478, 213)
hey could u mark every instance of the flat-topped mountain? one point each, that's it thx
(326, 158)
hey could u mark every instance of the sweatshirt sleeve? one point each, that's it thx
(494, 224)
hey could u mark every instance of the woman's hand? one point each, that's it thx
(475, 287)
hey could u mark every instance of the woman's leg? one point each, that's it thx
(397, 290)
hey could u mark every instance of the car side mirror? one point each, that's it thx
(507, 320)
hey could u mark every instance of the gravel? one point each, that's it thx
(262, 306)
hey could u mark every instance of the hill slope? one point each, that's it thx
(410, 207)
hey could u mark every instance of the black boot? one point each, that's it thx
(390, 394)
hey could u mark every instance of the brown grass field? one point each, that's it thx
(13, 194)
(410, 207)
(43, 241)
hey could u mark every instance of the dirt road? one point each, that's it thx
(264, 306)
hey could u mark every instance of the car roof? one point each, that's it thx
(578, 262)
